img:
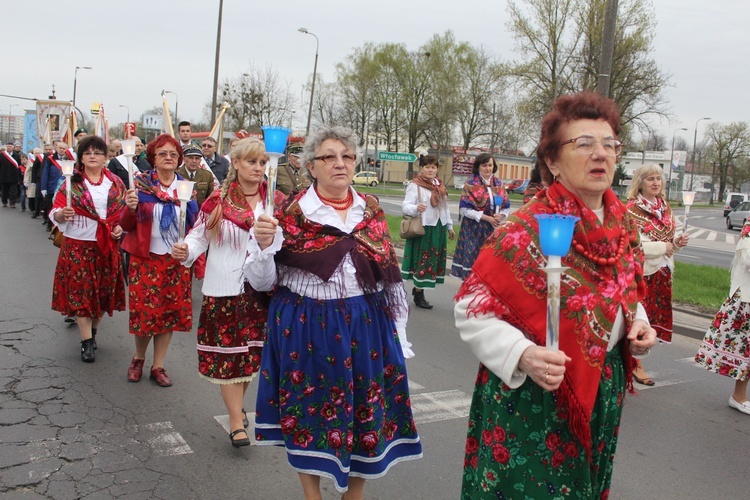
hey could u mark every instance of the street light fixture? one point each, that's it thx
(175, 106)
(692, 162)
(75, 84)
(126, 107)
(315, 71)
(671, 158)
(10, 107)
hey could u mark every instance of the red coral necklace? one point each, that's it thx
(342, 204)
(602, 261)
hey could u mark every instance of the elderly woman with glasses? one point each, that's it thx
(89, 277)
(160, 287)
(334, 389)
(543, 423)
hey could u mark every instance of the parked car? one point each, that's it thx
(733, 199)
(520, 189)
(738, 216)
(512, 184)
(370, 178)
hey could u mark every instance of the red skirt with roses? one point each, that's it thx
(160, 295)
(231, 332)
(87, 283)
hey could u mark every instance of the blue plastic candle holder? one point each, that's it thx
(556, 233)
(275, 139)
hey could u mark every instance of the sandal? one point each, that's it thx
(237, 443)
(646, 380)
(245, 421)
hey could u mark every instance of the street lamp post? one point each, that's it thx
(671, 157)
(176, 103)
(692, 162)
(315, 71)
(126, 107)
(10, 107)
(75, 84)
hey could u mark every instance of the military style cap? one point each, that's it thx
(192, 151)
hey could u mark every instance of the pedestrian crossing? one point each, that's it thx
(727, 236)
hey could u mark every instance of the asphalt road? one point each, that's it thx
(74, 430)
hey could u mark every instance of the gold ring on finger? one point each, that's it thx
(546, 376)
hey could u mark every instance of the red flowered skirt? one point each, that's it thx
(160, 295)
(231, 332)
(658, 303)
(87, 283)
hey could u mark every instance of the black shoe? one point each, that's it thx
(93, 336)
(245, 421)
(87, 350)
(34, 216)
(237, 443)
(419, 299)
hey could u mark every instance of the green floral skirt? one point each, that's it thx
(425, 257)
(518, 446)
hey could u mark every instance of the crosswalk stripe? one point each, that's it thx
(711, 236)
(730, 239)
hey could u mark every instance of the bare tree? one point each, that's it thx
(729, 148)
(257, 98)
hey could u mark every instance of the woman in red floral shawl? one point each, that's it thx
(88, 278)
(647, 205)
(544, 423)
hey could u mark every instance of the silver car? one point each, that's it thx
(738, 216)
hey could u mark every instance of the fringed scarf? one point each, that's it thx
(320, 250)
(653, 219)
(436, 185)
(150, 193)
(236, 212)
(476, 197)
(510, 266)
(83, 204)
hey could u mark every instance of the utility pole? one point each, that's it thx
(608, 48)
(216, 66)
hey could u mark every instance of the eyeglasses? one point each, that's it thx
(165, 154)
(349, 159)
(207, 146)
(585, 144)
(94, 153)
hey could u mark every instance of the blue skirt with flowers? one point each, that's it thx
(333, 387)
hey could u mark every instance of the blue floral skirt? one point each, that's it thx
(471, 237)
(333, 387)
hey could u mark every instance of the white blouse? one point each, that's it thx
(83, 228)
(157, 245)
(431, 216)
(260, 266)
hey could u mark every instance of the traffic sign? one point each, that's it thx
(405, 157)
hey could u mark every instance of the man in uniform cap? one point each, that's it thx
(204, 186)
(192, 171)
(291, 177)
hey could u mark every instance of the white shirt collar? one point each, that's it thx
(317, 211)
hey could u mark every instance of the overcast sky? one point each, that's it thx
(138, 47)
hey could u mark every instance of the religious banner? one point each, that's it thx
(52, 119)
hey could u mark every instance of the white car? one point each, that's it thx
(738, 216)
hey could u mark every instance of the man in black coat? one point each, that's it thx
(9, 162)
(36, 178)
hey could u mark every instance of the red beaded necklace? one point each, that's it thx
(97, 183)
(343, 204)
(602, 261)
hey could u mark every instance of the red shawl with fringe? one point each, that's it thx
(510, 266)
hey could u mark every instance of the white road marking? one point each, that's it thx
(437, 406)
(711, 236)
(697, 233)
(730, 239)
(662, 383)
(166, 442)
(413, 386)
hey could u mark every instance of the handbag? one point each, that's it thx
(56, 236)
(411, 227)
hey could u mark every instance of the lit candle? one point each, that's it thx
(128, 149)
(687, 199)
(184, 193)
(67, 170)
